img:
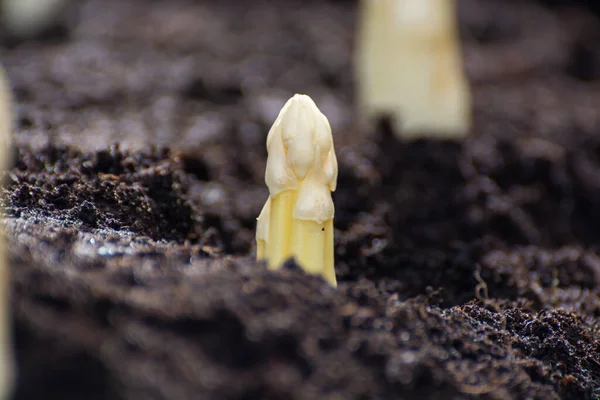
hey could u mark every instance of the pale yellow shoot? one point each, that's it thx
(409, 68)
(6, 357)
(297, 220)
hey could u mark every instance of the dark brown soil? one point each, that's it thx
(466, 270)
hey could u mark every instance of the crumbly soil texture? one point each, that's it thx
(466, 270)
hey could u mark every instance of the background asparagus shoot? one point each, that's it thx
(6, 361)
(409, 68)
(301, 173)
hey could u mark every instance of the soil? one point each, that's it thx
(466, 270)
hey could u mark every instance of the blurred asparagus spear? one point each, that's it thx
(409, 68)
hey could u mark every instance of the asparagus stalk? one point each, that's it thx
(301, 173)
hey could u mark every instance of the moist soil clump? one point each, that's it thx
(466, 270)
